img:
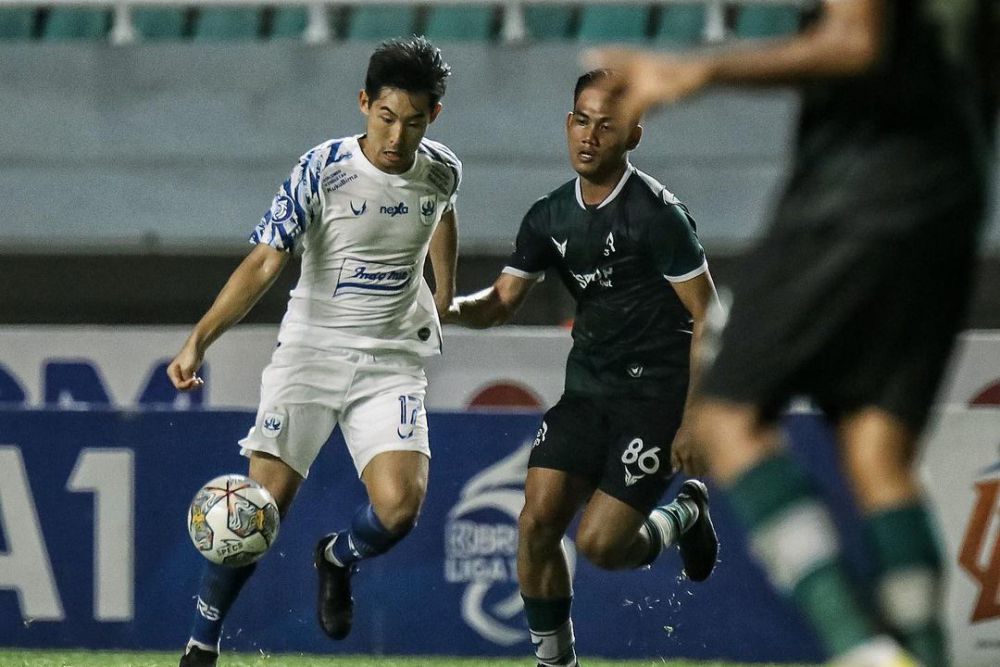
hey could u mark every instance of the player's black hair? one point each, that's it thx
(412, 64)
(592, 78)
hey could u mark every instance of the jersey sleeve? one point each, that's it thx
(673, 241)
(292, 208)
(532, 250)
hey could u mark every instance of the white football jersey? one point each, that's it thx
(363, 237)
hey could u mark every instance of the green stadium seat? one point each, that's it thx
(459, 23)
(381, 22)
(289, 22)
(227, 23)
(156, 23)
(613, 23)
(543, 22)
(17, 23)
(73, 23)
(681, 25)
(770, 21)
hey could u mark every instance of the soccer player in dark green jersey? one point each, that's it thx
(853, 297)
(626, 249)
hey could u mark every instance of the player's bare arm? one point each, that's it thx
(443, 252)
(255, 274)
(699, 298)
(492, 306)
(845, 41)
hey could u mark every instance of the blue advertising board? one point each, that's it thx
(94, 551)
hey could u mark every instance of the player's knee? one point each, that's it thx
(536, 534)
(398, 508)
(600, 548)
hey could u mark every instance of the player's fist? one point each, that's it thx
(183, 370)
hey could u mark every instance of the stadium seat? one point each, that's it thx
(681, 25)
(381, 22)
(544, 22)
(770, 21)
(72, 23)
(226, 23)
(613, 23)
(289, 22)
(17, 23)
(459, 23)
(156, 23)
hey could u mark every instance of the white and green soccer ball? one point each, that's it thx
(233, 520)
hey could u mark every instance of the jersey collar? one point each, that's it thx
(629, 169)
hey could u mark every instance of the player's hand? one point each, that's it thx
(183, 370)
(685, 454)
(451, 314)
(651, 80)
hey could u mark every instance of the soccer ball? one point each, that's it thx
(233, 520)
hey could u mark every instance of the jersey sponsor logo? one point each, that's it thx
(281, 208)
(361, 277)
(271, 424)
(428, 208)
(634, 370)
(393, 210)
(601, 275)
(480, 539)
(359, 210)
(609, 244)
(560, 247)
(336, 180)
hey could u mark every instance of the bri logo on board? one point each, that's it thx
(393, 211)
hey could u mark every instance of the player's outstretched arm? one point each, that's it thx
(255, 274)
(847, 40)
(443, 252)
(492, 306)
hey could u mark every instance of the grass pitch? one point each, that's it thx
(32, 658)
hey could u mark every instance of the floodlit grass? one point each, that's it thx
(32, 658)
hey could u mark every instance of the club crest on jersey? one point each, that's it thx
(272, 423)
(428, 209)
(359, 210)
(393, 210)
(358, 276)
(281, 208)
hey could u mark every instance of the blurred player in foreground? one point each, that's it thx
(364, 211)
(626, 249)
(853, 297)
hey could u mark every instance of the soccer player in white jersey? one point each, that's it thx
(364, 212)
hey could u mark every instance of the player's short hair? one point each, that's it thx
(593, 78)
(412, 64)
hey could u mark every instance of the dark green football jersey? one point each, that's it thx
(631, 333)
(878, 153)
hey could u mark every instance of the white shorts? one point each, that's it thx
(377, 398)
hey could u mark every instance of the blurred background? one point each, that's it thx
(142, 140)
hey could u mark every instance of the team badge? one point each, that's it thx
(428, 209)
(272, 424)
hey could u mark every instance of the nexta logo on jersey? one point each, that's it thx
(979, 555)
(393, 211)
(358, 276)
(281, 208)
(480, 549)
